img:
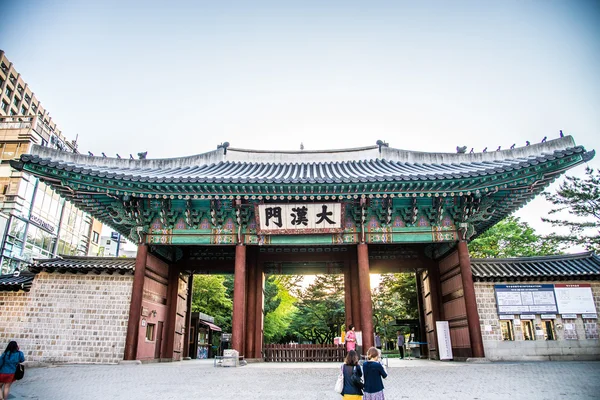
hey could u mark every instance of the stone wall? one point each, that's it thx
(569, 344)
(68, 318)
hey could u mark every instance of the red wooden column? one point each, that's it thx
(239, 300)
(470, 300)
(355, 294)
(251, 311)
(259, 305)
(135, 305)
(435, 295)
(366, 307)
(171, 321)
(348, 293)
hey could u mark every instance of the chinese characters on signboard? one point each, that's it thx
(299, 218)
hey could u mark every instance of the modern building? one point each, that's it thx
(35, 222)
(114, 245)
(373, 209)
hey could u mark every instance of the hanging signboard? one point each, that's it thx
(574, 298)
(299, 218)
(525, 299)
(444, 342)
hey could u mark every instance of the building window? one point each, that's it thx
(150, 332)
(4, 106)
(34, 108)
(1, 81)
(527, 327)
(4, 66)
(548, 326)
(13, 111)
(23, 110)
(12, 79)
(95, 237)
(20, 89)
(27, 99)
(8, 91)
(506, 327)
(16, 101)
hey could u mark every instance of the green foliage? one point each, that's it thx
(281, 309)
(581, 198)
(320, 314)
(210, 296)
(511, 238)
(395, 297)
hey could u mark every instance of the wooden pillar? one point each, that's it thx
(188, 317)
(347, 294)
(251, 311)
(355, 293)
(420, 305)
(366, 307)
(259, 305)
(172, 294)
(239, 300)
(470, 299)
(135, 305)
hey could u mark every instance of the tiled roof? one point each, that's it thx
(120, 265)
(585, 266)
(334, 172)
(10, 283)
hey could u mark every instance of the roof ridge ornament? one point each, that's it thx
(381, 144)
(223, 146)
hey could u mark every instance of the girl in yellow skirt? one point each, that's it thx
(351, 366)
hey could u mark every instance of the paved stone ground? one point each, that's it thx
(416, 379)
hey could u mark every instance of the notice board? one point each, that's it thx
(525, 299)
(574, 298)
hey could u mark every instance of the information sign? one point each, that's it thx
(589, 316)
(574, 298)
(568, 316)
(444, 343)
(525, 299)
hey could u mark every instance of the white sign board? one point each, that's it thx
(444, 344)
(574, 298)
(299, 218)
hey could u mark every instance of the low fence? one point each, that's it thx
(304, 352)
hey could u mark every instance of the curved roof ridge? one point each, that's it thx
(368, 153)
(572, 256)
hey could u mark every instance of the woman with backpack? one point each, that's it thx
(8, 366)
(374, 372)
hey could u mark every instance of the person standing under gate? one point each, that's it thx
(350, 339)
(8, 366)
(400, 344)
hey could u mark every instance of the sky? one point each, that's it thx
(177, 78)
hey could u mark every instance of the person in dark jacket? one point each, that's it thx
(373, 371)
(350, 365)
(8, 366)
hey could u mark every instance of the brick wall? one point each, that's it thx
(569, 344)
(68, 318)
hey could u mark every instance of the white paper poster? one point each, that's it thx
(444, 343)
(574, 298)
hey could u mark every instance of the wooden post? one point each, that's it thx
(347, 294)
(172, 295)
(239, 300)
(251, 311)
(258, 333)
(188, 317)
(470, 299)
(135, 305)
(355, 294)
(366, 307)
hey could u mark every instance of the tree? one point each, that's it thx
(209, 296)
(581, 198)
(279, 310)
(511, 238)
(394, 297)
(320, 314)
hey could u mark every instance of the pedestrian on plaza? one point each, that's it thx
(350, 367)
(400, 344)
(377, 341)
(374, 372)
(350, 339)
(8, 366)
